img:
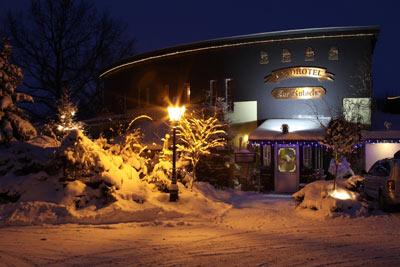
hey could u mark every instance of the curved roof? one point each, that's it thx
(243, 40)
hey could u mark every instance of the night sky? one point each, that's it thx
(159, 24)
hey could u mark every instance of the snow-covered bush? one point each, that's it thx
(111, 169)
(160, 174)
(24, 158)
(131, 149)
(198, 135)
(13, 122)
(321, 197)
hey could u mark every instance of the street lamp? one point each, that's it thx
(175, 114)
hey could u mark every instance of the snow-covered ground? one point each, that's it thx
(258, 230)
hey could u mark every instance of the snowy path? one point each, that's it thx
(257, 231)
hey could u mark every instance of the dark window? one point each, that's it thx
(264, 59)
(212, 92)
(309, 54)
(267, 155)
(286, 55)
(333, 53)
(228, 94)
(307, 156)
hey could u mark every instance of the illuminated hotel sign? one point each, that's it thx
(298, 72)
(308, 92)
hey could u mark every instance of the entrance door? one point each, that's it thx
(286, 168)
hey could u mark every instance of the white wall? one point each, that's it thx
(374, 152)
(245, 111)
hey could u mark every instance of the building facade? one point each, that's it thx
(279, 88)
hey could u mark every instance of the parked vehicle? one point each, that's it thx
(382, 182)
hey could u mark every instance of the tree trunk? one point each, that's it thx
(336, 170)
(194, 175)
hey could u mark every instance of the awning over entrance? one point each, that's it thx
(299, 130)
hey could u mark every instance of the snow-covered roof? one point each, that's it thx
(380, 135)
(299, 130)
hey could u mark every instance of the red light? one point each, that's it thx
(391, 185)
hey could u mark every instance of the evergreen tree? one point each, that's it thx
(13, 122)
(66, 114)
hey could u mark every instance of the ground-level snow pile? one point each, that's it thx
(85, 181)
(324, 201)
(27, 171)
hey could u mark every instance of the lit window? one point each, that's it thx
(357, 110)
(264, 57)
(286, 55)
(228, 94)
(287, 159)
(187, 92)
(309, 54)
(333, 53)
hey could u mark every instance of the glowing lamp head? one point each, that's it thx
(342, 194)
(175, 113)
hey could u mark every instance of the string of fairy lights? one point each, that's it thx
(213, 47)
(317, 144)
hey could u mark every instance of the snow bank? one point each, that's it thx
(320, 198)
(81, 182)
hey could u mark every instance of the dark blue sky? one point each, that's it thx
(158, 24)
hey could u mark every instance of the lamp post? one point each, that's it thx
(175, 114)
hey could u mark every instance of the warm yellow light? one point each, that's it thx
(245, 138)
(341, 194)
(175, 113)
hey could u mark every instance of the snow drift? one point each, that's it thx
(320, 197)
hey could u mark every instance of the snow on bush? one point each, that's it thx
(320, 197)
(198, 135)
(85, 181)
(112, 170)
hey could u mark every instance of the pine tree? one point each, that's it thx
(66, 115)
(13, 122)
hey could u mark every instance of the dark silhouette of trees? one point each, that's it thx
(65, 43)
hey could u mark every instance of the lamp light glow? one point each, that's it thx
(342, 194)
(175, 113)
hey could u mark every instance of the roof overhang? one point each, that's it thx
(245, 40)
(299, 130)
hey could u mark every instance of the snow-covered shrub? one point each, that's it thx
(24, 158)
(13, 122)
(161, 172)
(198, 135)
(130, 148)
(321, 197)
(217, 169)
(103, 167)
